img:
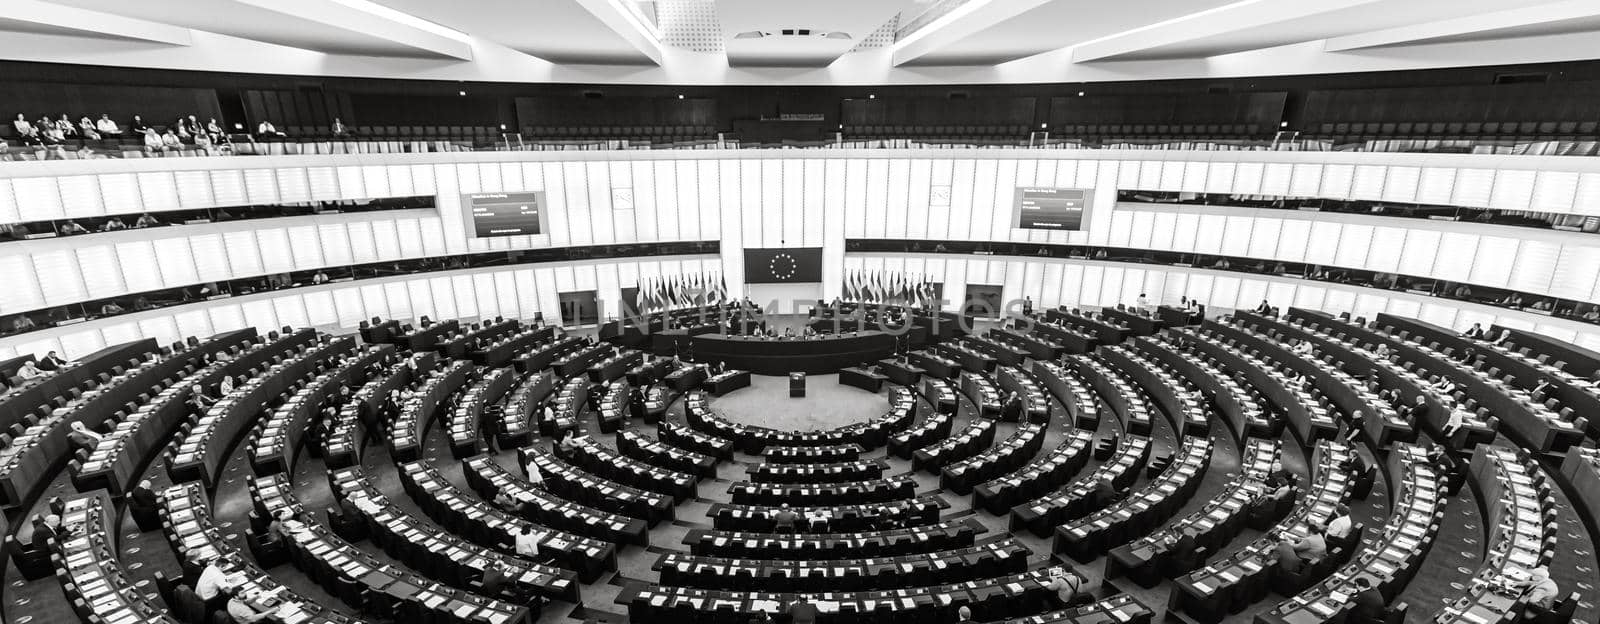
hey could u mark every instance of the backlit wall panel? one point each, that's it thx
(797, 199)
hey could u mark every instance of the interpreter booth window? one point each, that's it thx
(579, 308)
(983, 301)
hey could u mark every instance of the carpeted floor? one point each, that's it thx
(827, 404)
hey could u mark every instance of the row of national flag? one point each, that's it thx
(663, 292)
(889, 287)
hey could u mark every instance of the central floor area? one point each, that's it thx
(827, 404)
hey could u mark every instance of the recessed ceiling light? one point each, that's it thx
(461, 93)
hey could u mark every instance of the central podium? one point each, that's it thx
(797, 384)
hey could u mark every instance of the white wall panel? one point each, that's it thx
(1554, 191)
(602, 218)
(1436, 186)
(102, 273)
(1275, 179)
(896, 202)
(177, 262)
(1400, 184)
(139, 268)
(1455, 259)
(1306, 180)
(815, 190)
(1492, 261)
(1513, 189)
(1473, 187)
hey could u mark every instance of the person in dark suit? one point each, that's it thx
(187, 604)
(1279, 477)
(1418, 412)
(636, 403)
(144, 507)
(1103, 495)
(52, 362)
(1012, 408)
(44, 530)
(801, 611)
(1475, 332)
(1369, 605)
(494, 580)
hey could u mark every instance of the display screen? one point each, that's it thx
(1051, 208)
(506, 214)
(774, 266)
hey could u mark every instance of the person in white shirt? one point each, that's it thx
(1541, 590)
(534, 476)
(29, 371)
(1143, 301)
(1451, 426)
(528, 542)
(267, 129)
(152, 140)
(1340, 525)
(226, 386)
(107, 127)
(214, 584)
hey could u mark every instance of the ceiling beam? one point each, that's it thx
(74, 18)
(1230, 18)
(1467, 25)
(642, 35)
(969, 19)
(375, 20)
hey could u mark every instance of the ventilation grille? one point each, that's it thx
(690, 25)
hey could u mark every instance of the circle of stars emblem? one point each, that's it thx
(782, 266)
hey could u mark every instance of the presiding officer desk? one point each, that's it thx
(780, 356)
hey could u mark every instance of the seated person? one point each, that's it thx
(1540, 591)
(569, 442)
(145, 220)
(1278, 476)
(71, 227)
(1104, 495)
(1011, 409)
(284, 524)
(29, 371)
(52, 362)
(215, 586)
(1294, 554)
(110, 308)
(1369, 605)
(527, 543)
(785, 519)
(1068, 588)
(107, 127)
(247, 607)
(82, 438)
(1341, 524)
